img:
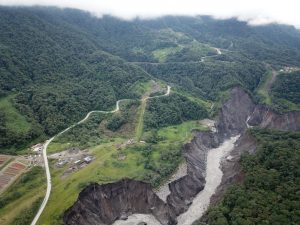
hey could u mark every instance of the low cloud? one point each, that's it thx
(256, 12)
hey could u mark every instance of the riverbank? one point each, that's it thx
(213, 179)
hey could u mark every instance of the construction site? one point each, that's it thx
(72, 160)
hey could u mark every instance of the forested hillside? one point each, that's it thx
(56, 65)
(174, 109)
(270, 192)
(209, 79)
(286, 90)
(52, 74)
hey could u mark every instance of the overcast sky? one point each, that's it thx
(254, 11)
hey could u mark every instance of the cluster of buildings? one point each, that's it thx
(289, 69)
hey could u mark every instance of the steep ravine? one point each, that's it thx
(213, 178)
(115, 200)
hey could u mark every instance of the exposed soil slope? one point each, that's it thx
(103, 204)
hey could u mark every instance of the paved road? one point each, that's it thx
(48, 175)
(37, 216)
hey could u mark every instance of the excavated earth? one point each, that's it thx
(103, 204)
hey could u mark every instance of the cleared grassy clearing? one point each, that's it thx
(262, 89)
(162, 54)
(181, 133)
(201, 49)
(140, 124)
(142, 87)
(58, 147)
(200, 101)
(173, 36)
(13, 119)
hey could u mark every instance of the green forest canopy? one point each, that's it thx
(270, 191)
(56, 65)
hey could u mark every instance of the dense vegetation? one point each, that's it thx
(276, 44)
(15, 128)
(57, 72)
(158, 161)
(96, 130)
(115, 122)
(56, 65)
(209, 79)
(286, 90)
(170, 110)
(270, 192)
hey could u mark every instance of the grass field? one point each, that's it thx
(140, 124)
(181, 133)
(15, 122)
(58, 147)
(141, 88)
(200, 49)
(262, 89)
(162, 53)
(204, 103)
(22, 194)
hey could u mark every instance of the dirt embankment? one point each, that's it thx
(103, 204)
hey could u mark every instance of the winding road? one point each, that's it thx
(48, 175)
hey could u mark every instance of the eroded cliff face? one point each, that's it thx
(267, 118)
(237, 114)
(256, 115)
(231, 122)
(103, 204)
(183, 190)
(234, 114)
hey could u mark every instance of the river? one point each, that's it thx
(213, 179)
(201, 201)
